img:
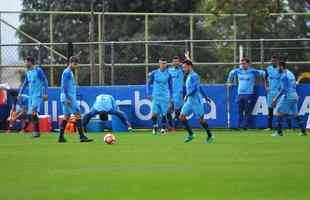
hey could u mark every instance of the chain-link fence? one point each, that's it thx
(212, 40)
(127, 63)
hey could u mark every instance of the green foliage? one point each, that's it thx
(258, 24)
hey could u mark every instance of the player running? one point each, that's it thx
(286, 100)
(246, 77)
(159, 90)
(37, 85)
(69, 103)
(193, 102)
(177, 75)
(105, 104)
(18, 112)
(272, 85)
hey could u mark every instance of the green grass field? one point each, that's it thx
(240, 165)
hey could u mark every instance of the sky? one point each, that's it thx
(8, 35)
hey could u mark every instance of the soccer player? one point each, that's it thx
(177, 74)
(246, 77)
(18, 112)
(68, 100)
(272, 85)
(37, 85)
(193, 102)
(286, 100)
(105, 104)
(159, 90)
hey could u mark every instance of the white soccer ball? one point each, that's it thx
(109, 138)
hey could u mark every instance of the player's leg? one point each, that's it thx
(249, 104)
(35, 107)
(169, 116)
(155, 111)
(270, 110)
(186, 111)
(281, 111)
(66, 118)
(92, 113)
(294, 111)
(240, 103)
(163, 113)
(198, 110)
(122, 116)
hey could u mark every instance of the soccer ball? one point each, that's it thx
(109, 138)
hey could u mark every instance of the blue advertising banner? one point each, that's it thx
(133, 101)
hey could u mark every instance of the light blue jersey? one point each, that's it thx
(105, 103)
(160, 85)
(194, 103)
(160, 89)
(287, 97)
(273, 79)
(37, 85)
(246, 79)
(177, 75)
(36, 82)
(68, 85)
(288, 85)
(68, 92)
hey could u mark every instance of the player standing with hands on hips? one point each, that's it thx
(246, 77)
(68, 98)
(37, 85)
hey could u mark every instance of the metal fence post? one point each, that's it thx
(99, 49)
(112, 63)
(187, 47)
(51, 46)
(262, 52)
(39, 55)
(235, 38)
(146, 46)
(191, 25)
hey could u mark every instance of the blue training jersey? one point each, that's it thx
(177, 75)
(104, 103)
(273, 78)
(159, 85)
(192, 87)
(246, 79)
(288, 85)
(36, 82)
(68, 86)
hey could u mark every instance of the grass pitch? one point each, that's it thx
(247, 165)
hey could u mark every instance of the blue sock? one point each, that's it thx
(206, 127)
(188, 128)
(279, 127)
(300, 124)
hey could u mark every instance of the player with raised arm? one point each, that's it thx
(37, 85)
(246, 77)
(159, 90)
(193, 103)
(286, 100)
(177, 75)
(105, 105)
(68, 98)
